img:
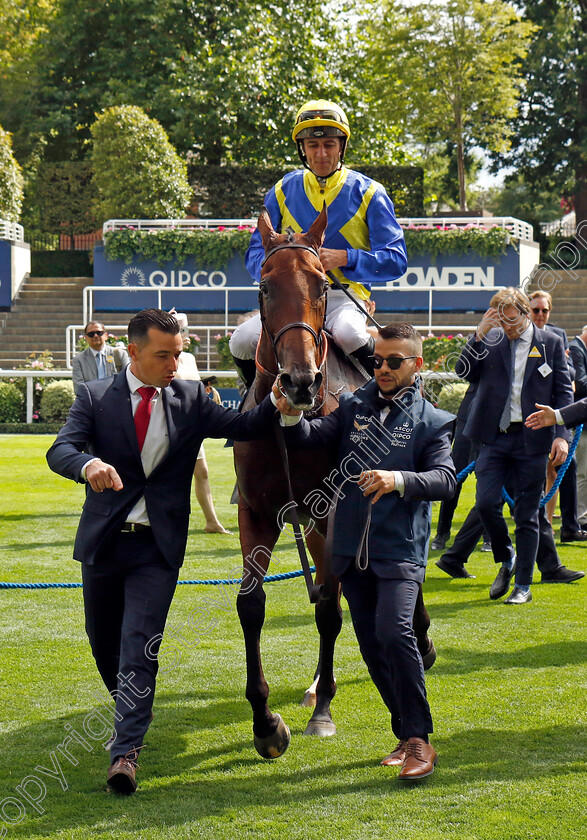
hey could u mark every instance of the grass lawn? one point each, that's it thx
(507, 694)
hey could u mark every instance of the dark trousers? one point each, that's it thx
(463, 452)
(568, 498)
(466, 540)
(494, 462)
(126, 601)
(382, 611)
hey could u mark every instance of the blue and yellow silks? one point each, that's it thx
(361, 220)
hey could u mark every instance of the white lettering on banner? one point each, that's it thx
(183, 278)
(455, 277)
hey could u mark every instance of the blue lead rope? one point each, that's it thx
(215, 582)
(288, 575)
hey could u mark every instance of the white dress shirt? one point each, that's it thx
(156, 442)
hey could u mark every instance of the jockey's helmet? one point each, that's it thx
(320, 118)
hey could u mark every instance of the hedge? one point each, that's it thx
(61, 264)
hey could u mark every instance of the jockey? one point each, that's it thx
(363, 243)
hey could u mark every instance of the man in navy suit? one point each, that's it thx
(134, 439)
(516, 365)
(571, 530)
(394, 459)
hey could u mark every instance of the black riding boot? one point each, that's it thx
(362, 354)
(247, 370)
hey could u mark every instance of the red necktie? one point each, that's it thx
(143, 413)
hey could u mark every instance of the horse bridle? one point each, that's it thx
(319, 341)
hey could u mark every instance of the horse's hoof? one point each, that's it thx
(429, 658)
(309, 698)
(274, 745)
(323, 728)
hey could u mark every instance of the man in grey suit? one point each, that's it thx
(97, 361)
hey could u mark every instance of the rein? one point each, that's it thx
(316, 592)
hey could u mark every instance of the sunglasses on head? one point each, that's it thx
(544, 311)
(393, 362)
(94, 333)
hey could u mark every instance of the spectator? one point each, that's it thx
(515, 366)
(571, 531)
(578, 349)
(97, 361)
(208, 382)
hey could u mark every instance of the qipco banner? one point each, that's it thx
(461, 283)
(187, 286)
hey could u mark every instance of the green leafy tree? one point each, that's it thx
(550, 130)
(448, 71)
(22, 27)
(223, 78)
(11, 181)
(137, 172)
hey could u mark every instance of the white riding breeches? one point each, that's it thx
(344, 322)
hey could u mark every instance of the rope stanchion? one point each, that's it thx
(212, 582)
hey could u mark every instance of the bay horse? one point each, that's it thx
(312, 373)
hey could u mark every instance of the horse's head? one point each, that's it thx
(292, 300)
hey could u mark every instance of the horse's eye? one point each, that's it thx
(263, 288)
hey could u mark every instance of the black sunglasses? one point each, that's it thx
(393, 362)
(544, 311)
(94, 333)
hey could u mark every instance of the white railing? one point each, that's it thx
(30, 376)
(177, 224)
(11, 231)
(559, 228)
(88, 299)
(75, 331)
(88, 295)
(517, 228)
(66, 374)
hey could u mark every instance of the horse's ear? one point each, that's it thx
(265, 227)
(316, 232)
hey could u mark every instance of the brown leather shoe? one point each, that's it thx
(396, 757)
(419, 761)
(121, 774)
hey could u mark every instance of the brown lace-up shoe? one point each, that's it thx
(419, 761)
(121, 774)
(396, 757)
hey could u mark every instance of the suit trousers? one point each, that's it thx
(126, 600)
(493, 465)
(568, 498)
(382, 611)
(581, 457)
(463, 452)
(466, 540)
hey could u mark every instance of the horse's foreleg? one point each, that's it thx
(271, 735)
(421, 624)
(328, 622)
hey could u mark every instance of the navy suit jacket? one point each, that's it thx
(488, 363)
(579, 356)
(101, 424)
(417, 443)
(576, 413)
